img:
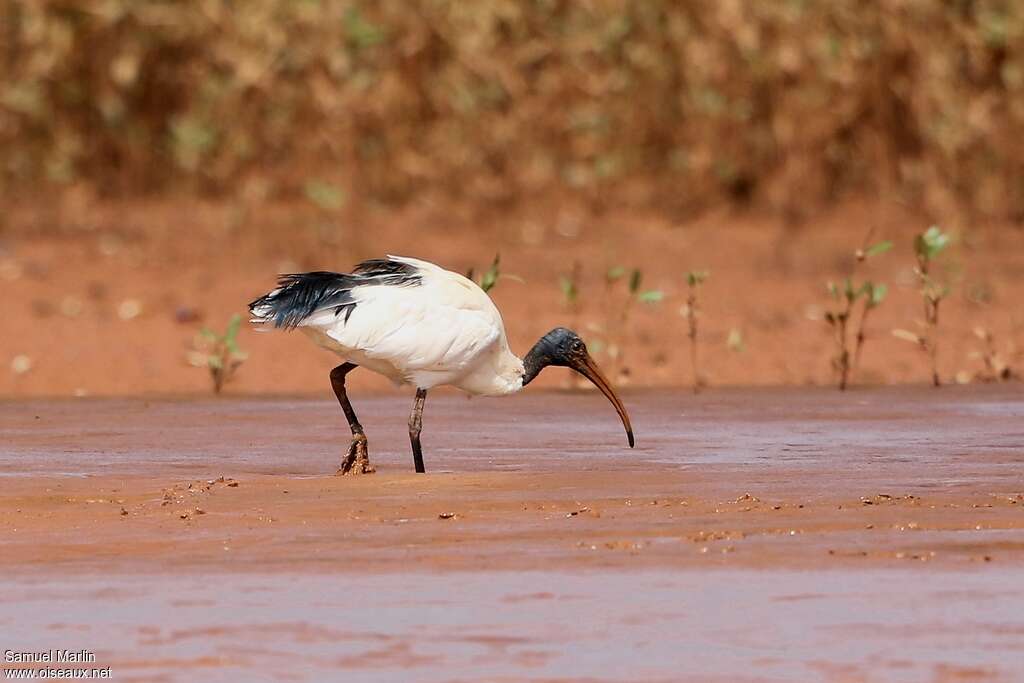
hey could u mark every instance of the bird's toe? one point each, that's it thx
(357, 459)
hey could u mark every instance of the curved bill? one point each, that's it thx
(588, 368)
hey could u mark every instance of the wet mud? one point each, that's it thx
(752, 535)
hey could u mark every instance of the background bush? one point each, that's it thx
(639, 102)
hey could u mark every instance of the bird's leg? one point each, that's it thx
(357, 460)
(415, 425)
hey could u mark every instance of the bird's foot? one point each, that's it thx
(357, 460)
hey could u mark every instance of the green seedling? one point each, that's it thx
(691, 311)
(218, 353)
(570, 288)
(927, 247)
(617, 320)
(846, 297)
(492, 275)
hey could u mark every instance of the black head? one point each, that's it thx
(563, 347)
(558, 347)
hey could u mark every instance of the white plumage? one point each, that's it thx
(445, 330)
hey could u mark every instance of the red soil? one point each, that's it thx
(69, 268)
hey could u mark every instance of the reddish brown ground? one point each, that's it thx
(508, 521)
(756, 535)
(68, 267)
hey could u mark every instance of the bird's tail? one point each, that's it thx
(300, 295)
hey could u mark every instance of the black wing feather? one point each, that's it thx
(299, 295)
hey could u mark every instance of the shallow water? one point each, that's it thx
(776, 427)
(607, 626)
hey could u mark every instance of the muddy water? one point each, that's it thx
(751, 536)
(612, 625)
(981, 429)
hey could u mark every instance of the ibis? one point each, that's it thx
(417, 324)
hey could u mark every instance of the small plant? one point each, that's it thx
(840, 318)
(927, 246)
(570, 288)
(492, 275)
(691, 311)
(996, 367)
(617, 321)
(219, 353)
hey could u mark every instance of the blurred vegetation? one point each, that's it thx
(680, 104)
(218, 353)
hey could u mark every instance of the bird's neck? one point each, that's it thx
(501, 375)
(506, 373)
(536, 359)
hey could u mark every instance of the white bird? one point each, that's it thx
(416, 323)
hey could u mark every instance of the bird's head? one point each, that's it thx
(563, 347)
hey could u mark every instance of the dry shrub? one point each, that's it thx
(679, 104)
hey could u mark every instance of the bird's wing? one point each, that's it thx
(301, 296)
(440, 325)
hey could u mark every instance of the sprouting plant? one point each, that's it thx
(927, 246)
(219, 353)
(996, 366)
(617, 321)
(841, 316)
(691, 311)
(490, 277)
(647, 296)
(570, 288)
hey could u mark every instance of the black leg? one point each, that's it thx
(415, 426)
(357, 460)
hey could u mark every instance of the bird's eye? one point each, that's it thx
(577, 345)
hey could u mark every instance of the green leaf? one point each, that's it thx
(491, 275)
(614, 273)
(931, 243)
(920, 248)
(361, 32)
(635, 278)
(651, 296)
(880, 248)
(232, 331)
(569, 290)
(877, 294)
